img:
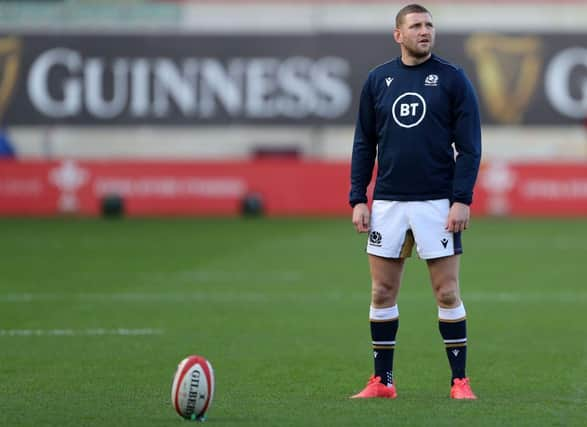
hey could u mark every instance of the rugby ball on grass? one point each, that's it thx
(193, 387)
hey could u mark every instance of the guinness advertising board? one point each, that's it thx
(538, 79)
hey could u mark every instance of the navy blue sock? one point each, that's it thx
(384, 325)
(454, 334)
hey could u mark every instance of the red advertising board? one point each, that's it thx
(286, 186)
(530, 189)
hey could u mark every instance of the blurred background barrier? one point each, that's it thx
(88, 87)
(274, 186)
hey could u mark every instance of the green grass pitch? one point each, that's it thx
(96, 314)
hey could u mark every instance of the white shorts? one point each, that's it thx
(396, 225)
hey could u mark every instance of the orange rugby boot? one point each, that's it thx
(375, 388)
(461, 389)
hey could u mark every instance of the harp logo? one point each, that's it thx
(508, 68)
(10, 51)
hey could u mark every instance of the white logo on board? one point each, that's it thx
(68, 177)
(411, 111)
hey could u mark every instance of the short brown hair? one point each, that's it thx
(406, 10)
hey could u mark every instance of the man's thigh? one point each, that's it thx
(444, 277)
(386, 276)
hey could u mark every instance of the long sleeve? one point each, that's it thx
(467, 138)
(364, 147)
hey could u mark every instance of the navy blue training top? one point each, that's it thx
(408, 117)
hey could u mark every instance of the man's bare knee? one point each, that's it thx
(447, 297)
(382, 295)
(386, 276)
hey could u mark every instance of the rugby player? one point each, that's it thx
(419, 117)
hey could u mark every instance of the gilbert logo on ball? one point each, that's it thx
(193, 388)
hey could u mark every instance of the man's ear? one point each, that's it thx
(397, 35)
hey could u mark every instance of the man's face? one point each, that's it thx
(416, 34)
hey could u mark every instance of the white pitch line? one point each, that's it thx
(213, 276)
(78, 332)
(241, 296)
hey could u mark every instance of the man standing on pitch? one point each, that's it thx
(412, 110)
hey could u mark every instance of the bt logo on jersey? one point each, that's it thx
(409, 109)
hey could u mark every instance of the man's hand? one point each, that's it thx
(458, 217)
(361, 217)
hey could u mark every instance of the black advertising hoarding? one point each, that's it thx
(290, 79)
